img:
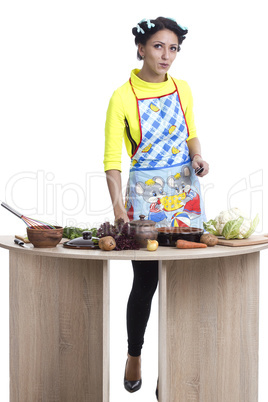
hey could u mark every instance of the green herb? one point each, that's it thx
(71, 232)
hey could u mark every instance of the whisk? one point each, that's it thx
(31, 223)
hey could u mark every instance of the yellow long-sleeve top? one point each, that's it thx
(123, 106)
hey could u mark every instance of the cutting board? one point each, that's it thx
(255, 239)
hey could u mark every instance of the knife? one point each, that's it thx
(20, 243)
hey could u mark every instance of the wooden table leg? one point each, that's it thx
(208, 331)
(59, 329)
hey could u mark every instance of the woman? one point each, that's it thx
(153, 112)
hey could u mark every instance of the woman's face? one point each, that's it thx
(159, 52)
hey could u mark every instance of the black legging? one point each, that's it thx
(139, 303)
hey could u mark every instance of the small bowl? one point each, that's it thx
(167, 236)
(45, 238)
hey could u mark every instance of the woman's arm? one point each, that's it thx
(114, 183)
(195, 155)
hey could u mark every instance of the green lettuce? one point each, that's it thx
(253, 226)
(232, 228)
(210, 227)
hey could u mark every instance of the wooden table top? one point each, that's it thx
(162, 253)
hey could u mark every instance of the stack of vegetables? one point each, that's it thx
(121, 232)
(119, 236)
(232, 224)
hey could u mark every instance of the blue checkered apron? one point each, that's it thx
(161, 169)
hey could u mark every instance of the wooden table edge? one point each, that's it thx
(162, 253)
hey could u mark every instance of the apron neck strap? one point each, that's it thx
(135, 92)
(175, 84)
(132, 88)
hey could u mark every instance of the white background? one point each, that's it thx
(60, 63)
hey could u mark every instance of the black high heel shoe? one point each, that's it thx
(156, 391)
(131, 386)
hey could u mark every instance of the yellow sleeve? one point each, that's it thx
(187, 106)
(114, 132)
(189, 116)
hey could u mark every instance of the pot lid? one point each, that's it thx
(85, 242)
(142, 222)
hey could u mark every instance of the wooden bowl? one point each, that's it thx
(167, 236)
(45, 238)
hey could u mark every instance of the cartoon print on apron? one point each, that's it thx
(162, 183)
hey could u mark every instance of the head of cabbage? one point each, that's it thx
(232, 224)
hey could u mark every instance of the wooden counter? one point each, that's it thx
(208, 323)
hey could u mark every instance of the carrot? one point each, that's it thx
(189, 244)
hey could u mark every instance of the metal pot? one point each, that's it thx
(144, 230)
(85, 242)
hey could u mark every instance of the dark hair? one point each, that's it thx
(144, 32)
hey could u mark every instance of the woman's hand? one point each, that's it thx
(122, 215)
(198, 162)
(195, 154)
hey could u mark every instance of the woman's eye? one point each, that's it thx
(174, 49)
(158, 46)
